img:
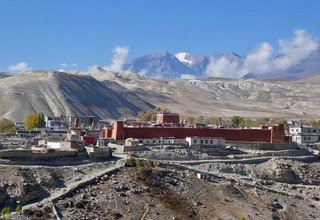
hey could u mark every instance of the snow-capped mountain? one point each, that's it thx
(197, 63)
(167, 66)
(161, 65)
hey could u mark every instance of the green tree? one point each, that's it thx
(42, 122)
(7, 126)
(150, 115)
(200, 120)
(34, 120)
(236, 121)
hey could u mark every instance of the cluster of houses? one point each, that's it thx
(98, 138)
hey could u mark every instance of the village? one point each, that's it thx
(88, 136)
(267, 157)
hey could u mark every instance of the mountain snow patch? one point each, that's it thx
(182, 57)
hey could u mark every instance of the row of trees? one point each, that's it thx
(33, 120)
(235, 121)
(150, 115)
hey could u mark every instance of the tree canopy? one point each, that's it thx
(34, 120)
(150, 115)
(7, 126)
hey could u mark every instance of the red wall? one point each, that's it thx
(107, 133)
(274, 135)
(168, 118)
(228, 134)
(88, 139)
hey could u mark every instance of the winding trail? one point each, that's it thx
(75, 185)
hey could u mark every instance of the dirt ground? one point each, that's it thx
(167, 192)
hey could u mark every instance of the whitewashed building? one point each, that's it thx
(205, 142)
(161, 141)
(305, 134)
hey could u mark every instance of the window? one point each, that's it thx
(304, 138)
(211, 141)
(201, 141)
(206, 141)
(309, 138)
(194, 141)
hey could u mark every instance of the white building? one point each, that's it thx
(305, 134)
(205, 142)
(161, 141)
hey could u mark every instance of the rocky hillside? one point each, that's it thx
(56, 93)
(218, 97)
(123, 94)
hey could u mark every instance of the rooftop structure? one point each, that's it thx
(166, 118)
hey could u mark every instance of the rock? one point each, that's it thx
(277, 206)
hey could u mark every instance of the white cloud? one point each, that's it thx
(265, 59)
(64, 64)
(187, 76)
(222, 68)
(119, 57)
(20, 67)
(295, 50)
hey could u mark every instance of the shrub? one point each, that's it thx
(131, 161)
(149, 162)
(7, 126)
(140, 169)
(19, 208)
(5, 211)
(242, 218)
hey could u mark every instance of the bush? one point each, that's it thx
(150, 115)
(5, 211)
(19, 208)
(149, 162)
(242, 218)
(140, 169)
(7, 126)
(131, 161)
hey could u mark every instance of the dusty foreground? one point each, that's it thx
(174, 192)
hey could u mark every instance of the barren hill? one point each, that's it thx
(56, 93)
(222, 97)
(123, 94)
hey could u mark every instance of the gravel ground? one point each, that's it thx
(178, 194)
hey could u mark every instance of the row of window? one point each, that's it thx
(204, 141)
(303, 130)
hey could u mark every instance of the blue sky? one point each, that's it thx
(47, 33)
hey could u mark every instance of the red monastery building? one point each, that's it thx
(274, 134)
